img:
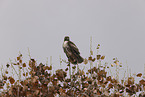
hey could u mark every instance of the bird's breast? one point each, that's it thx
(65, 44)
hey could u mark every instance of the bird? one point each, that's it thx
(71, 51)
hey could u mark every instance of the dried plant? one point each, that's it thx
(38, 80)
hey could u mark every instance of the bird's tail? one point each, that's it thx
(79, 59)
(76, 58)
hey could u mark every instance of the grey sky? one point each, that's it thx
(118, 25)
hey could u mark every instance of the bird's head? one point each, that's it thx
(66, 38)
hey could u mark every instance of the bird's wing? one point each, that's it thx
(67, 51)
(73, 47)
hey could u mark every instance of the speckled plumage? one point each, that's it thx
(71, 51)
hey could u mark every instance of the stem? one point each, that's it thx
(69, 70)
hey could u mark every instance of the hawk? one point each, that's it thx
(71, 51)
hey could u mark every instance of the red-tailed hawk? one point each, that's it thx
(71, 51)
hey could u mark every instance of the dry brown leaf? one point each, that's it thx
(11, 80)
(139, 75)
(85, 61)
(24, 64)
(18, 58)
(102, 57)
(90, 58)
(98, 57)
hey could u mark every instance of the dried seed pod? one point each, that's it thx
(74, 67)
(11, 80)
(23, 74)
(85, 61)
(24, 64)
(7, 65)
(50, 68)
(98, 57)
(91, 52)
(90, 58)
(6, 72)
(68, 64)
(139, 75)
(93, 59)
(18, 58)
(20, 61)
(108, 78)
(110, 85)
(102, 57)
(66, 69)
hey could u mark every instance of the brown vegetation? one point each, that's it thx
(40, 82)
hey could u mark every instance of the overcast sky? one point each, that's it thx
(41, 25)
